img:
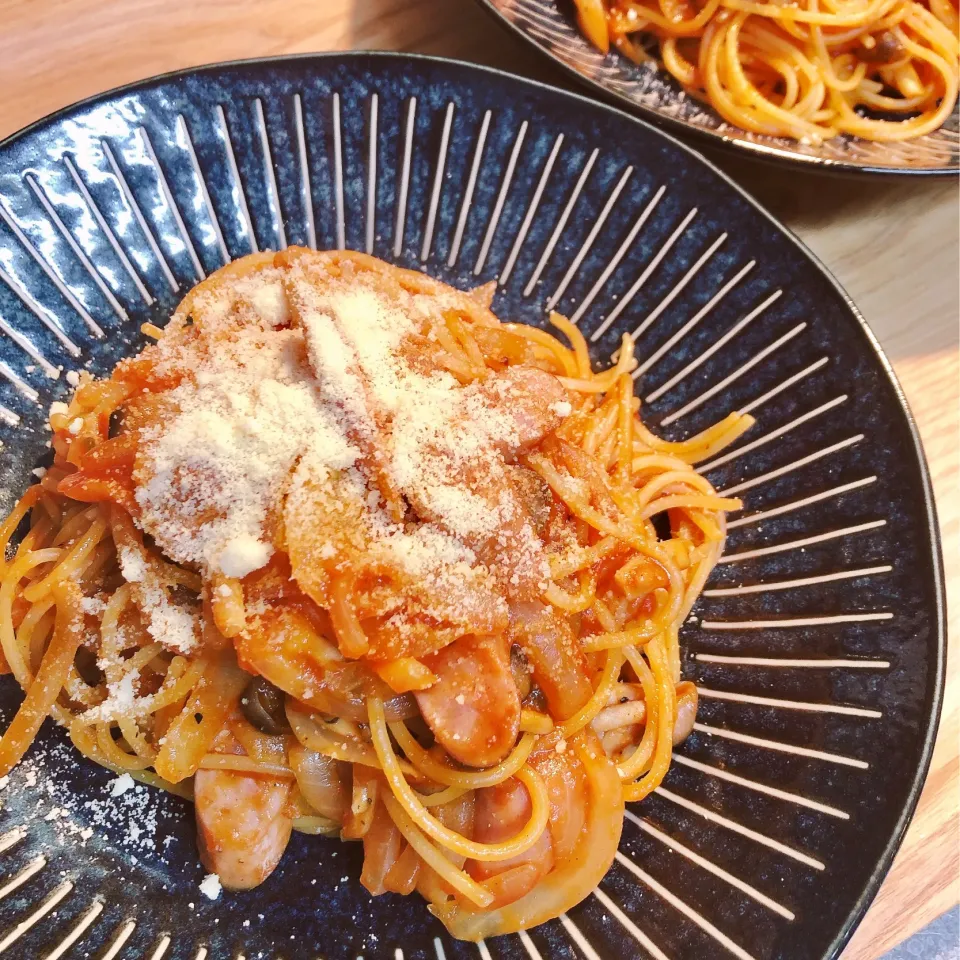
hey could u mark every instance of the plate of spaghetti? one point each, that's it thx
(851, 86)
(425, 534)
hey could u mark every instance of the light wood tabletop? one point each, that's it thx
(893, 244)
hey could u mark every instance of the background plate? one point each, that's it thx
(818, 647)
(550, 26)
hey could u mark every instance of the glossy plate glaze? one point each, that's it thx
(818, 647)
(550, 26)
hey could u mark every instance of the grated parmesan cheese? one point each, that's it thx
(92, 606)
(300, 387)
(121, 785)
(242, 555)
(121, 699)
(175, 627)
(133, 565)
(211, 886)
(211, 476)
(440, 439)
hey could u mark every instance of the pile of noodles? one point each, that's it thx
(634, 532)
(882, 70)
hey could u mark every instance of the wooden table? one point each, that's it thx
(893, 245)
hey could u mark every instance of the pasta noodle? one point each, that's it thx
(342, 553)
(882, 70)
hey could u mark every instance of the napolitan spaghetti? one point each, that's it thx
(343, 553)
(806, 69)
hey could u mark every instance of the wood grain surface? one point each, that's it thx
(893, 244)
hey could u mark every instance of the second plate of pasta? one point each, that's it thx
(852, 87)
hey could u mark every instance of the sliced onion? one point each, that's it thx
(316, 826)
(382, 844)
(354, 707)
(686, 711)
(573, 879)
(324, 783)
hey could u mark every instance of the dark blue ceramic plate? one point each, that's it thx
(551, 27)
(818, 646)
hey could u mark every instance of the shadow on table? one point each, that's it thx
(939, 940)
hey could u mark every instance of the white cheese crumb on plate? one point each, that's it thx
(211, 887)
(121, 785)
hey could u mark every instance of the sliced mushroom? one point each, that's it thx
(262, 704)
